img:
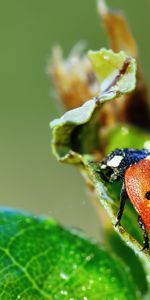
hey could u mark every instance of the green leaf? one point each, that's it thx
(66, 129)
(127, 136)
(76, 139)
(108, 195)
(76, 132)
(116, 72)
(41, 260)
(115, 244)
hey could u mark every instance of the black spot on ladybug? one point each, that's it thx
(147, 195)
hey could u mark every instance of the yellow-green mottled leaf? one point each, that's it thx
(77, 131)
(115, 71)
(41, 260)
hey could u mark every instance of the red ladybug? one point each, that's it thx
(132, 166)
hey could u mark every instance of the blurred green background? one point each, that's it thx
(30, 177)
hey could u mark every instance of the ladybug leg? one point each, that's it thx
(145, 235)
(123, 196)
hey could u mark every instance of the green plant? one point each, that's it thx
(39, 258)
(110, 120)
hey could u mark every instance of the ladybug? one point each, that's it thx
(132, 167)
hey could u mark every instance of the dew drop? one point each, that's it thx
(106, 57)
(63, 276)
(147, 145)
(89, 257)
(124, 130)
(64, 293)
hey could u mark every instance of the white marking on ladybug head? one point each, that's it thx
(103, 166)
(147, 145)
(115, 161)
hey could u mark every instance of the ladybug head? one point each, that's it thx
(114, 165)
(110, 167)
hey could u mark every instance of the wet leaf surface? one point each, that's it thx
(41, 260)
